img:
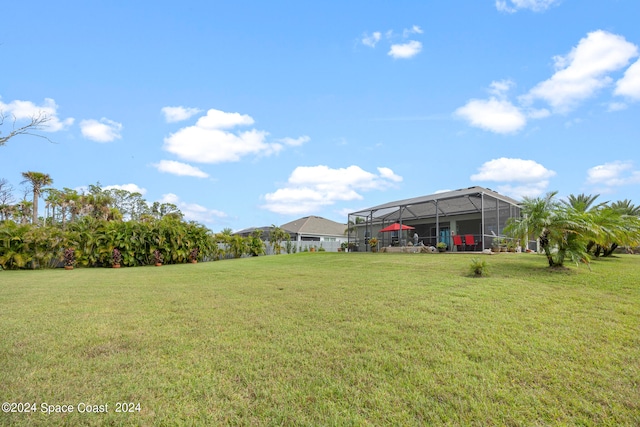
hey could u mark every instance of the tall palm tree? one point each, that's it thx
(71, 200)
(53, 200)
(37, 180)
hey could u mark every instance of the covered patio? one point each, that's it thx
(465, 220)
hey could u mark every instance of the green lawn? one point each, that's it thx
(326, 339)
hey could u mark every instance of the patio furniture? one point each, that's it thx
(470, 241)
(457, 242)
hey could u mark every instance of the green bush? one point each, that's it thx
(478, 267)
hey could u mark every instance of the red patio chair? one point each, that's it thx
(457, 241)
(470, 241)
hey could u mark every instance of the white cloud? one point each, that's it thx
(405, 50)
(540, 113)
(104, 130)
(584, 70)
(613, 174)
(193, 211)
(499, 116)
(617, 106)
(530, 178)
(131, 188)
(211, 141)
(25, 110)
(413, 30)
(532, 189)
(177, 114)
(309, 188)
(629, 85)
(500, 88)
(371, 40)
(512, 6)
(507, 170)
(295, 142)
(389, 174)
(180, 169)
(578, 76)
(216, 119)
(401, 50)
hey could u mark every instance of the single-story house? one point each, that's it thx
(316, 231)
(475, 213)
(307, 232)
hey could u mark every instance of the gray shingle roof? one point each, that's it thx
(315, 225)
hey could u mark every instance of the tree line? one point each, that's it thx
(91, 227)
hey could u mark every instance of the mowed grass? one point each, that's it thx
(327, 339)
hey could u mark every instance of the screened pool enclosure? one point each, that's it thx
(465, 220)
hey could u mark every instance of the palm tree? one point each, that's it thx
(237, 245)
(255, 246)
(23, 211)
(626, 207)
(37, 180)
(70, 200)
(560, 228)
(600, 218)
(582, 202)
(54, 200)
(276, 236)
(630, 227)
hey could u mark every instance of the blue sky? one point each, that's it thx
(251, 113)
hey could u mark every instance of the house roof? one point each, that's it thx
(314, 225)
(466, 200)
(248, 231)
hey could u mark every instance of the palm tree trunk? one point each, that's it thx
(34, 219)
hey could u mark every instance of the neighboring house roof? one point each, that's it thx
(248, 231)
(314, 225)
(308, 226)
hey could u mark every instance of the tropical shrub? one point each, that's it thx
(478, 267)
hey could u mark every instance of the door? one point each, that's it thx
(445, 236)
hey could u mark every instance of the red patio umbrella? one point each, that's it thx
(396, 227)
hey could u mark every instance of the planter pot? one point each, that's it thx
(68, 267)
(312, 250)
(194, 261)
(116, 265)
(158, 264)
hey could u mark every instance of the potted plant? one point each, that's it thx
(373, 242)
(193, 255)
(69, 258)
(157, 257)
(495, 244)
(344, 246)
(442, 246)
(116, 258)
